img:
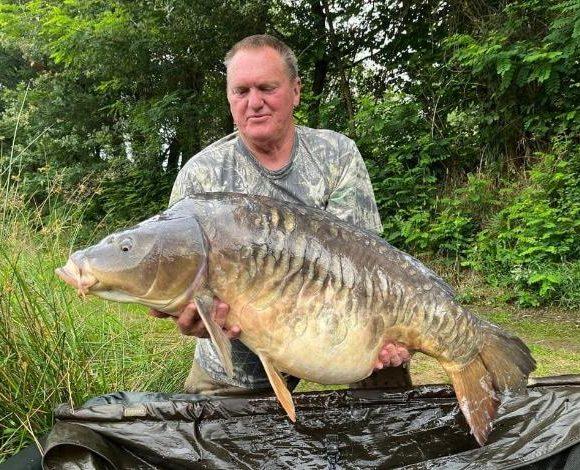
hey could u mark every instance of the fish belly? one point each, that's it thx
(316, 344)
(317, 359)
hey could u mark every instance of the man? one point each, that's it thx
(269, 155)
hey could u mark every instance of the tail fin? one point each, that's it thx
(476, 396)
(502, 365)
(507, 359)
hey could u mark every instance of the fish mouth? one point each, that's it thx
(81, 279)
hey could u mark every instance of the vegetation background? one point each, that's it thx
(467, 114)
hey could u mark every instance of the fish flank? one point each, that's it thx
(383, 288)
(429, 316)
(400, 306)
(448, 329)
(292, 283)
(337, 273)
(369, 289)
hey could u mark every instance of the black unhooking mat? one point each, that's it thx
(422, 428)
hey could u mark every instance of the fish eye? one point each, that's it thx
(126, 244)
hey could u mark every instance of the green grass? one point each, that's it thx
(552, 335)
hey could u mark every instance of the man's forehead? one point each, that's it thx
(256, 64)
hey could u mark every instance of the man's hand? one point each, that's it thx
(190, 323)
(392, 355)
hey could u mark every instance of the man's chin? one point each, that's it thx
(258, 134)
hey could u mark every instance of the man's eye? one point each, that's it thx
(240, 91)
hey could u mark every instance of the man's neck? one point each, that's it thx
(273, 155)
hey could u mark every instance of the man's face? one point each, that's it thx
(261, 94)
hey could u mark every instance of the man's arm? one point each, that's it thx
(353, 199)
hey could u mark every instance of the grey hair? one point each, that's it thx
(265, 40)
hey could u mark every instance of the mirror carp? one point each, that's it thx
(315, 297)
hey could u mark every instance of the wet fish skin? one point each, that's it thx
(290, 272)
(314, 296)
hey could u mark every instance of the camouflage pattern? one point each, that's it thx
(326, 171)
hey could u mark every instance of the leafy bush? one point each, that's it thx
(523, 71)
(402, 157)
(535, 239)
(129, 192)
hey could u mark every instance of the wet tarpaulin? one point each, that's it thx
(346, 429)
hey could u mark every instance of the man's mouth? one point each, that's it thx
(258, 117)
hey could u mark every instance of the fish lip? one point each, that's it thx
(83, 282)
(67, 276)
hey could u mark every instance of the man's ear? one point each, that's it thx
(297, 87)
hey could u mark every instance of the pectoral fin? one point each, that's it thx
(279, 385)
(205, 306)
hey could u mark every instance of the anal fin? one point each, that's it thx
(279, 385)
(205, 306)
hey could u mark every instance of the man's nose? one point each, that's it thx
(255, 99)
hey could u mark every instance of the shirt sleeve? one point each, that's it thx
(353, 198)
(185, 184)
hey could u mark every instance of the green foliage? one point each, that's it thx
(117, 196)
(121, 92)
(534, 241)
(524, 74)
(402, 157)
(476, 159)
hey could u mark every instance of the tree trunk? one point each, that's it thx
(189, 130)
(173, 155)
(343, 79)
(320, 65)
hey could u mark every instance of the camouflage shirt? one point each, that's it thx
(325, 171)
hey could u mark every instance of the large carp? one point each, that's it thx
(314, 296)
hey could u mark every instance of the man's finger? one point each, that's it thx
(158, 314)
(234, 332)
(385, 354)
(189, 322)
(395, 361)
(404, 354)
(220, 313)
(394, 354)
